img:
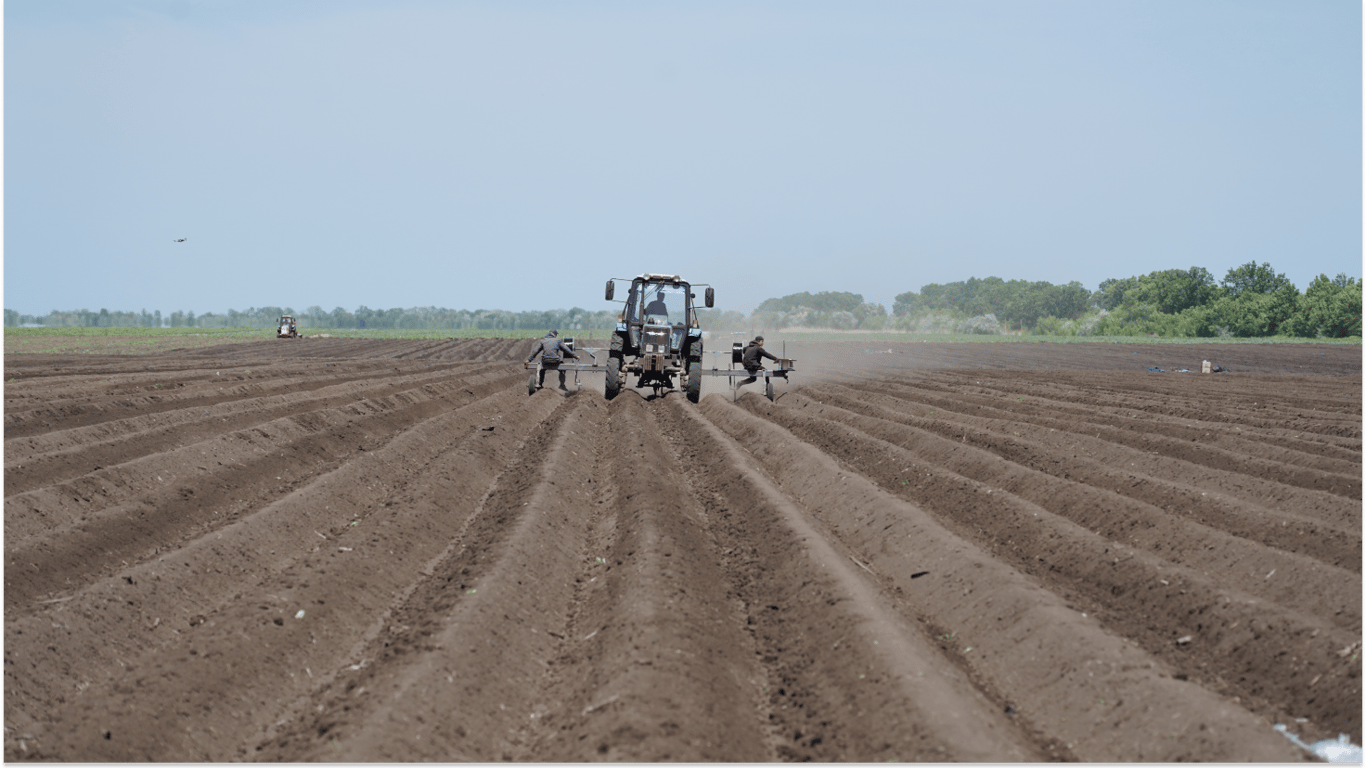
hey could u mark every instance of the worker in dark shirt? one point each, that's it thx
(752, 360)
(552, 352)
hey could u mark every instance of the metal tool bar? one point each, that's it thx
(585, 367)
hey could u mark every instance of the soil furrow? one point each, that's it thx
(821, 625)
(1248, 481)
(1147, 599)
(317, 551)
(1313, 586)
(514, 564)
(1079, 397)
(1238, 400)
(654, 627)
(87, 406)
(1189, 444)
(70, 452)
(370, 349)
(982, 608)
(132, 512)
(347, 549)
(1135, 476)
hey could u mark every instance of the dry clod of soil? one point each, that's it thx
(365, 550)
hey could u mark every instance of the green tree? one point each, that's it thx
(905, 303)
(1329, 308)
(1252, 314)
(825, 301)
(1066, 301)
(1175, 290)
(340, 318)
(1169, 290)
(1254, 278)
(870, 314)
(1113, 291)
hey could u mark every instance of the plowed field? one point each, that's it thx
(360, 550)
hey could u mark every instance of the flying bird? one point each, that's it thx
(181, 240)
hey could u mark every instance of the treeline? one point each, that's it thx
(827, 309)
(317, 317)
(1252, 300)
(85, 318)
(1014, 305)
(989, 305)
(456, 319)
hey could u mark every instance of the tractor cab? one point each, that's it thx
(658, 313)
(658, 335)
(286, 328)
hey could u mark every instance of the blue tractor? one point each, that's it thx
(658, 336)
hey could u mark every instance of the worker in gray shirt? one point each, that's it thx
(552, 352)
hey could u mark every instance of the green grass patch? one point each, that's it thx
(132, 332)
(123, 341)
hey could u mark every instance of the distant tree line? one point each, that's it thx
(1251, 300)
(85, 318)
(827, 309)
(317, 317)
(1014, 304)
(455, 319)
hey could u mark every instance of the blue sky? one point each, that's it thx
(515, 155)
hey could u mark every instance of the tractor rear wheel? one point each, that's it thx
(694, 382)
(613, 377)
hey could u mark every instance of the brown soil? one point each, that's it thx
(358, 550)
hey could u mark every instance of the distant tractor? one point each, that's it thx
(286, 328)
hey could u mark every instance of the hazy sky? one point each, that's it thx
(515, 155)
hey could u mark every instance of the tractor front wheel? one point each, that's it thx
(694, 382)
(613, 377)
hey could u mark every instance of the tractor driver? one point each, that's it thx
(752, 360)
(657, 307)
(552, 352)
